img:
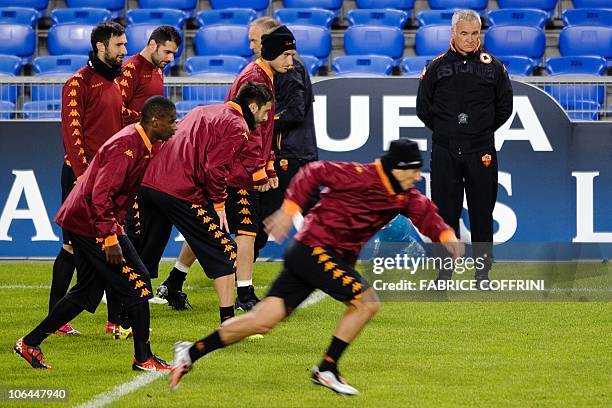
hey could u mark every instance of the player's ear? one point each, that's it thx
(152, 45)
(253, 107)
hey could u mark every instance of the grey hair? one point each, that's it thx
(465, 15)
(266, 23)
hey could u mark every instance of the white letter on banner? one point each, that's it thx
(532, 129)
(584, 209)
(504, 215)
(25, 182)
(360, 124)
(393, 121)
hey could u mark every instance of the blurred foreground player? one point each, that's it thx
(94, 213)
(357, 201)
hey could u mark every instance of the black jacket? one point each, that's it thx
(294, 131)
(476, 85)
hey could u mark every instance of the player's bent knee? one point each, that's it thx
(368, 303)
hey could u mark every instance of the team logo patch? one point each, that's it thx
(485, 58)
(486, 160)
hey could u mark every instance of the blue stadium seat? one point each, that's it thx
(9, 92)
(58, 64)
(378, 17)
(312, 16)
(333, 5)
(591, 3)
(406, 5)
(82, 15)
(583, 110)
(230, 39)
(517, 65)
(18, 40)
(188, 6)
(50, 109)
(69, 38)
(138, 38)
(577, 65)
(435, 17)
(259, 6)
(433, 39)
(159, 16)
(312, 64)
(184, 107)
(215, 65)
(205, 92)
(516, 40)
(568, 93)
(477, 5)
(586, 40)
(10, 65)
(364, 40)
(115, 6)
(588, 16)
(546, 5)
(39, 5)
(6, 109)
(46, 92)
(413, 66)
(518, 17)
(226, 16)
(363, 64)
(312, 40)
(18, 15)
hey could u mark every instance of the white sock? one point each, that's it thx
(243, 283)
(181, 267)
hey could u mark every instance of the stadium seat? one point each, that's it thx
(138, 37)
(435, 17)
(259, 6)
(9, 92)
(433, 39)
(546, 5)
(10, 65)
(69, 38)
(363, 64)
(333, 5)
(49, 109)
(18, 15)
(588, 16)
(6, 109)
(586, 40)
(160, 16)
(477, 5)
(83, 15)
(577, 65)
(184, 107)
(215, 65)
(312, 64)
(58, 64)
(312, 40)
(237, 16)
(205, 92)
(38, 5)
(311, 16)
(591, 3)
(45, 92)
(406, 5)
(413, 66)
(583, 110)
(517, 65)
(227, 39)
(115, 6)
(188, 6)
(378, 17)
(516, 40)
(18, 40)
(366, 40)
(566, 93)
(518, 17)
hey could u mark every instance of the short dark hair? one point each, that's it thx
(254, 92)
(165, 33)
(103, 33)
(155, 107)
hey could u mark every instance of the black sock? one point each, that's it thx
(206, 345)
(226, 313)
(140, 319)
(176, 279)
(335, 350)
(63, 312)
(63, 269)
(244, 293)
(113, 303)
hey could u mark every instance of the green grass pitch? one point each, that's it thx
(435, 354)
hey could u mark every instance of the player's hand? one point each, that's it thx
(114, 255)
(278, 225)
(223, 220)
(273, 182)
(264, 187)
(455, 247)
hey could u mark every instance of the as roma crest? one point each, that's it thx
(486, 160)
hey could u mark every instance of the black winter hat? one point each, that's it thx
(403, 154)
(276, 42)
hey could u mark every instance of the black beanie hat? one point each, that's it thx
(402, 154)
(276, 42)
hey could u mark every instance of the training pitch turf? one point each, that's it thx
(441, 353)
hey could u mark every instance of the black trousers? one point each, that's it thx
(452, 173)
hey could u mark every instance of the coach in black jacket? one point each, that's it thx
(464, 96)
